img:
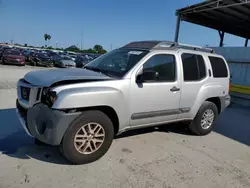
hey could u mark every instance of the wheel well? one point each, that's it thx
(216, 101)
(109, 111)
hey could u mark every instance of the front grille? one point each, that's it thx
(25, 93)
(11, 61)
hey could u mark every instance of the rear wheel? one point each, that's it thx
(204, 119)
(88, 138)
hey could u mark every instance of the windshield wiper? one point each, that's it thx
(99, 70)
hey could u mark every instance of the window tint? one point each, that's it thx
(193, 67)
(202, 67)
(163, 64)
(219, 67)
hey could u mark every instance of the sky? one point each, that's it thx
(110, 23)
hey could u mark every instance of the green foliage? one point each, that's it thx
(99, 49)
(48, 37)
(45, 37)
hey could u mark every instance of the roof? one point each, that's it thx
(164, 45)
(230, 16)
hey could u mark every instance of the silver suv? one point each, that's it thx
(142, 84)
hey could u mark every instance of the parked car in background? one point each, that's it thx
(2, 49)
(13, 57)
(73, 57)
(53, 55)
(81, 61)
(65, 61)
(41, 59)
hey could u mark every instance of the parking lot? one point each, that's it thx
(168, 156)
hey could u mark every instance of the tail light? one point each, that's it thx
(229, 87)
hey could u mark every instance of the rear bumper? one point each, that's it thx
(45, 124)
(225, 102)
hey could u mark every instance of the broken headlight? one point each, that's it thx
(48, 97)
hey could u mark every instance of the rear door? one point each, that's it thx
(195, 75)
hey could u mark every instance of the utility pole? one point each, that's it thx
(81, 38)
(110, 46)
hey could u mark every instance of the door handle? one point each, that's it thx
(173, 89)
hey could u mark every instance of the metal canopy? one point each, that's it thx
(230, 16)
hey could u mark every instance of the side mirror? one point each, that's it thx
(147, 76)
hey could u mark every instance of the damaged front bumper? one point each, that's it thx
(44, 123)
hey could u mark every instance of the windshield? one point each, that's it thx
(12, 52)
(117, 62)
(42, 55)
(66, 58)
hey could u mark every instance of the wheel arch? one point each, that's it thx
(109, 111)
(216, 101)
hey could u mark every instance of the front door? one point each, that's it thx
(155, 101)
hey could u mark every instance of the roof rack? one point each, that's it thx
(161, 45)
(175, 45)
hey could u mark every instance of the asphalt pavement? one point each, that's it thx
(167, 156)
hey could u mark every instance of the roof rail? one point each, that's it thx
(162, 45)
(175, 45)
(193, 47)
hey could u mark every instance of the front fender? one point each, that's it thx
(92, 97)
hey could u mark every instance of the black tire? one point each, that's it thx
(195, 126)
(3, 61)
(67, 147)
(39, 143)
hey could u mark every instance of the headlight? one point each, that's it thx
(49, 97)
(45, 91)
(53, 96)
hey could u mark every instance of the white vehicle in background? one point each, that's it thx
(64, 62)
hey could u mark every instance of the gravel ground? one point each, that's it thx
(167, 156)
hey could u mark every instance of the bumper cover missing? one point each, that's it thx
(46, 124)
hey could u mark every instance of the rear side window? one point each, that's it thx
(194, 68)
(219, 67)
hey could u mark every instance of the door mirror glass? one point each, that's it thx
(147, 76)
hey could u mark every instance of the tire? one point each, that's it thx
(39, 143)
(3, 61)
(196, 125)
(68, 146)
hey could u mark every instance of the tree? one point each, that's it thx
(98, 48)
(45, 38)
(48, 38)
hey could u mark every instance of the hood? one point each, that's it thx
(67, 62)
(48, 77)
(43, 58)
(14, 57)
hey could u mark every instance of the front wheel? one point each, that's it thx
(204, 119)
(88, 138)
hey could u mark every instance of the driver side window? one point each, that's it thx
(164, 65)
